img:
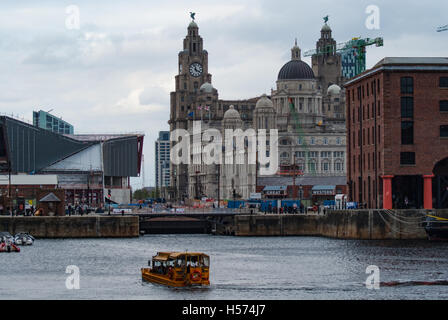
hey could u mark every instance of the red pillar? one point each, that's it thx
(427, 191)
(387, 192)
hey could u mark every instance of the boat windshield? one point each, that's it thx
(206, 261)
(171, 263)
(180, 261)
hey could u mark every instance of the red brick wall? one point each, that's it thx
(429, 148)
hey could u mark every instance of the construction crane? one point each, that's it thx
(443, 28)
(353, 54)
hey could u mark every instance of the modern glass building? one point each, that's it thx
(49, 122)
(162, 153)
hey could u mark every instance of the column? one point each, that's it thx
(387, 192)
(427, 191)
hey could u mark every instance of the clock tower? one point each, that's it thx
(192, 73)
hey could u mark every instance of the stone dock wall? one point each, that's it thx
(341, 224)
(73, 227)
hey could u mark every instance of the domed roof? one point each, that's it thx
(192, 25)
(206, 87)
(334, 89)
(232, 113)
(295, 70)
(264, 102)
(325, 27)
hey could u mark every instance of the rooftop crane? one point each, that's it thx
(355, 48)
(443, 28)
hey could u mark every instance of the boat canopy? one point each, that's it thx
(164, 256)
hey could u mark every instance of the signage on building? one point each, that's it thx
(323, 192)
(120, 210)
(255, 196)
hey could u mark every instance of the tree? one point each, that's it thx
(155, 193)
(141, 194)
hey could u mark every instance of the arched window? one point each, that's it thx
(311, 165)
(338, 166)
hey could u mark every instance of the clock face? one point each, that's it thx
(196, 69)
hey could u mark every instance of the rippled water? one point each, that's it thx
(241, 268)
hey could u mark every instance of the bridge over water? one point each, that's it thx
(217, 221)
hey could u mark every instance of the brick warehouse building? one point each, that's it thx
(397, 134)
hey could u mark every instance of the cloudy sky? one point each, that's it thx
(114, 74)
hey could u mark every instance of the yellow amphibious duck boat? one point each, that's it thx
(178, 269)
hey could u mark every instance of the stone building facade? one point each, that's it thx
(306, 107)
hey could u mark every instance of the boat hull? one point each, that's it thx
(9, 248)
(175, 281)
(437, 233)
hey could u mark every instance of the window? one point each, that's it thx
(444, 131)
(407, 132)
(407, 107)
(312, 140)
(311, 166)
(407, 158)
(325, 166)
(443, 82)
(325, 140)
(338, 140)
(379, 134)
(338, 166)
(300, 154)
(444, 106)
(407, 85)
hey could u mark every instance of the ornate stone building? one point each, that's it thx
(306, 107)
